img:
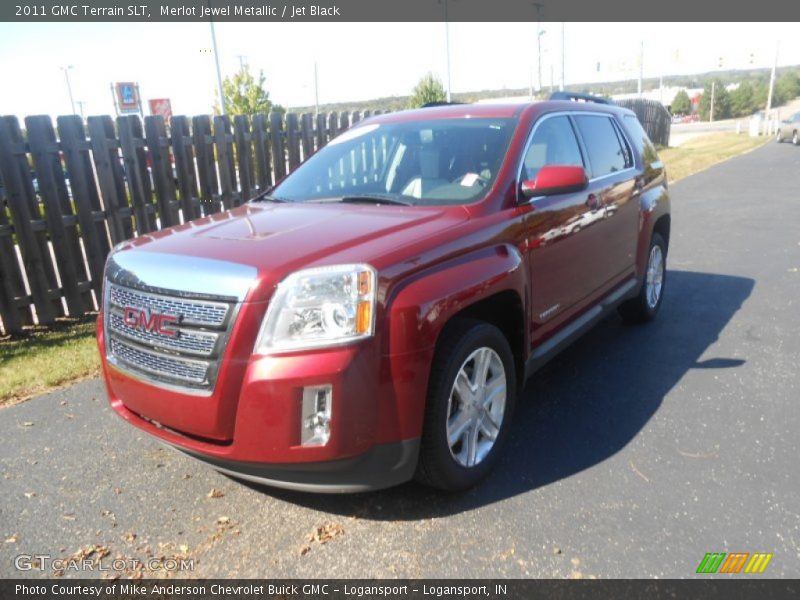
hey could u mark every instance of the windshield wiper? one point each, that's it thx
(375, 199)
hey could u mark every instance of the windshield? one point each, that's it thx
(443, 161)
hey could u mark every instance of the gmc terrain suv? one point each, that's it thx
(374, 317)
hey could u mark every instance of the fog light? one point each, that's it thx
(315, 428)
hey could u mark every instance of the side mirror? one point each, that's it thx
(555, 179)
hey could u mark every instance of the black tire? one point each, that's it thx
(438, 467)
(779, 136)
(641, 309)
(796, 138)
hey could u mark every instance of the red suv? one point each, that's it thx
(374, 318)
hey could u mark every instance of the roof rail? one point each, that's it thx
(580, 97)
(439, 103)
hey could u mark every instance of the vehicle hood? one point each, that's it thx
(278, 239)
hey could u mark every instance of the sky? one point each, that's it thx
(356, 61)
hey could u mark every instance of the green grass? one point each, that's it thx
(705, 151)
(43, 358)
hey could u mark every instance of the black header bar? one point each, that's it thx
(398, 10)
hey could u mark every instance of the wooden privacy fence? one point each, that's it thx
(653, 116)
(69, 193)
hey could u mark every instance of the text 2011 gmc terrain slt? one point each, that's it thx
(374, 317)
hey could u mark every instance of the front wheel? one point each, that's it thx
(470, 401)
(645, 306)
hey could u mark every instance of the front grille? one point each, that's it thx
(192, 371)
(194, 312)
(185, 352)
(200, 343)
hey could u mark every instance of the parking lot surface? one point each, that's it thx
(633, 454)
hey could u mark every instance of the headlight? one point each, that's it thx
(319, 307)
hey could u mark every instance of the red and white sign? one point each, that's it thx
(161, 106)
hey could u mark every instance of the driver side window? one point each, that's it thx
(553, 143)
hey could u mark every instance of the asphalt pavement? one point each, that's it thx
(633, 454)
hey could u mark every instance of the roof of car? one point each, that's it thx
(489, 111)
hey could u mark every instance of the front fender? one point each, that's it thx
(421, 306)
(418, 309)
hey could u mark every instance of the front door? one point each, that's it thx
(562, 249)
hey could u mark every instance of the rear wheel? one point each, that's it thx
(470, 401)
(645, 306)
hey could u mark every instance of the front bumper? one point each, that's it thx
(378, 402)
(382, 466)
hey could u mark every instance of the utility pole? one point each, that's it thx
(66, 70)
(81, 104)
(563, 60)
(711, 112)
(216, 63)
(447, 49)
(771, 89)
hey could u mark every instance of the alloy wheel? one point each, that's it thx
(655, 276)
(476, 407)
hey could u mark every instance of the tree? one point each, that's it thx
(429, 89)
(787, 87)
(743, 100)
(722, 102)
(681, 104)
(245, 96)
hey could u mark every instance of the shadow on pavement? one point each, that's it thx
(583, 407)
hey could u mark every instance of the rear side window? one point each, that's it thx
(607, 152)
(640, 138)
(553, 143)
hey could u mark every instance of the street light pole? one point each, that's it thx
(69, 87)
(563, 60)
(641, 68)
(447, 44)
(216, 62)
(538, 6)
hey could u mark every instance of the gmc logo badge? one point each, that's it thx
(138, 318)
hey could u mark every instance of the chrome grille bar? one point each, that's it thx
(158, 364)
(193, 312)
(198, 343)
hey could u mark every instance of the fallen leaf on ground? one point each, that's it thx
(325, 533)
(224, 520)
(13, 539)
(30, 494)
(129, 537)
(215, 493)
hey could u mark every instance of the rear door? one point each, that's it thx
(611, 221)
